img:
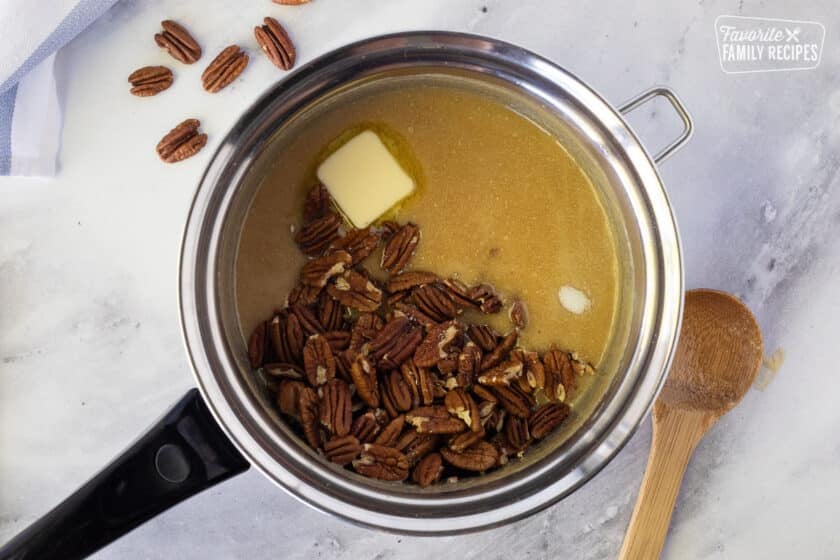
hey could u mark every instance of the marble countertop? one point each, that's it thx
(90, 348)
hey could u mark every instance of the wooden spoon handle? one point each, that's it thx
(675, 435)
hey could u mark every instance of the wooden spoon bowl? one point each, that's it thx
(717, 358)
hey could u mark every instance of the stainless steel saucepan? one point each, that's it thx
(231, 424)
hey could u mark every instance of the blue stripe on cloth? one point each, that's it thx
(76, 21)
(7, 109)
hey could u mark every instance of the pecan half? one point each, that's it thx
(303, 295)
(469, 361)
(421, 382)
(288, 398)
(398, 391)
(225, 68)
(534, 370)
(467, 439)
(309, 410)
(330, 313)
(316, 235)
(502, 375)
(408, 280)
(435, 302)
(355, 291)
(518, 314)
(318, 271)
(400, 247)
(434, 347)
(181, 142)
(256, 346)
(546, 418)
(428, 470)
(178, 42)
(395, 343)
(516, 432)
(384, 463)
(150, 80)
(484, 393)
(307, 318)
(459, 403)
(486, 298)
(413, 313)
(501, 351)
(318, 360)
(434, 420)
(275, 43)
(391, 432)
(342, 450)
(416, 446)
(365, 427)
(494, 421)
(514, 401)
(558, 372)
(477, 458)
(365, 379)
(338, 340)
(483, 335)
(283, 370)
(460, 293)
(364, 330)
(336, 413)
(318, 203)
(287, 338)
(359, 243)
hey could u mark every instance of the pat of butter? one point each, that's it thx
(573, 300)
(364, 179)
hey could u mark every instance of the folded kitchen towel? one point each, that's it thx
(30, 113)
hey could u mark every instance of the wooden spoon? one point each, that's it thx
(717, 359)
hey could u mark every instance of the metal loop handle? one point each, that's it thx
(688, 123)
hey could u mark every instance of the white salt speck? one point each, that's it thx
(574, 300)
(292, 228)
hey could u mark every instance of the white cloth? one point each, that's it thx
(30, 113)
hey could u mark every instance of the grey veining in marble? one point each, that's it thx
(90, 350)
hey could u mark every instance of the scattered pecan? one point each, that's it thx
(224, 68)
(318, 360)
(364, 330)
(414, 314)
(359, 243)
(384, 463)
(307, 318)
(316, 235)
(398, 391)
(256, 346)
(518, 314)
(391, 432)
(366, 381)
(558, 372)
(318, 271)
(287, 338)
(459, 403)
(517, 433)
(434, 347)
(308, 408)
(415, 446)
(494, 421)
(338, 340)
(355, 291)
(178, 42)
(460, 293)
(336, 413)
(534, 370)
(400, 247)
(484, 393)
(365, 427)
(318, 203)
(395, 343)
(428, 470)
(464, 440)
(478, 458)
(275, 43)
(483, 335)
(181, 142)
(546, 418)
(388, 401)
(435, 302)
(342, 450)
(499, 353)
(303, 295)
(434, 420)
(408, 280)
(150, 80)
(288, 398)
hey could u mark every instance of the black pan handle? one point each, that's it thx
(182, 454)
